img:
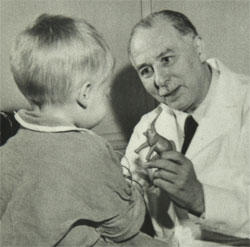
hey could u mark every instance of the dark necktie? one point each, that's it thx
(189, 130)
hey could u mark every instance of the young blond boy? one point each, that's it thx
(61, 184)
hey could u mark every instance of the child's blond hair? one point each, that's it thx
(55, 56)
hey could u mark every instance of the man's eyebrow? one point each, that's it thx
(165, 52)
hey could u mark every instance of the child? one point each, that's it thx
(61, 184)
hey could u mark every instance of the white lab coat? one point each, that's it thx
(219, 151)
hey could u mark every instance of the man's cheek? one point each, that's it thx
(151, 89)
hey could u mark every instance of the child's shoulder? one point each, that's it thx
(84, 152)
(86, 141)
(42, 147)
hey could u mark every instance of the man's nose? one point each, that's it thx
(162, 77)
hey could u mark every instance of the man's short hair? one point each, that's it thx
(55, 56)
(179, 21)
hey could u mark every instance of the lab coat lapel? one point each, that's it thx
(166, 125)
(210, 128)
(219, 116)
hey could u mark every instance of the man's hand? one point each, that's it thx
(177, 177)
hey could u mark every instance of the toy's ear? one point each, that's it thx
(200, 46)
(83, 95)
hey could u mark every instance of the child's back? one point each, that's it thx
(53, 181)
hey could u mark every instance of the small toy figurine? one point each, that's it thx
(155, 142)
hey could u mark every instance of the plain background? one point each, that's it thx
(223, 24)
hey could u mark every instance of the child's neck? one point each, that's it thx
(59, 112)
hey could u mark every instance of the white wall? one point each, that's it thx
(223, 24)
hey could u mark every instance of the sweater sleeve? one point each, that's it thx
(130, 159)
(129, 221)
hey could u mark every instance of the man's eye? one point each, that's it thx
(168, 60)
(146, 72)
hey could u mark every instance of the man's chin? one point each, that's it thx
(176, 106)
(173, 104)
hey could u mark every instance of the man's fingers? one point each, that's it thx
(173, 155)
(166, 165)
(165, 185)
(177, 157)
(173, 145)
(165, 175)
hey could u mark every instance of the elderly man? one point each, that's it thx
(205, 111)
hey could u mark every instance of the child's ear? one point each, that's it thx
(83, 95)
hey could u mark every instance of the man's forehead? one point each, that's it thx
(146, 52)
(154, 45)
(151, 41)
(143, 50)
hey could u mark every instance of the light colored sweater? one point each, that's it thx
(65, 188)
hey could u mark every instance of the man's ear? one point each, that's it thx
(200, 46)
(83, 95)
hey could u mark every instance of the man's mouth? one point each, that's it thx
(172, 92)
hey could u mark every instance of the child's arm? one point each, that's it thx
(129, 205)
(143, 240)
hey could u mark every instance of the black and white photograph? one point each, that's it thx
(125, 123)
